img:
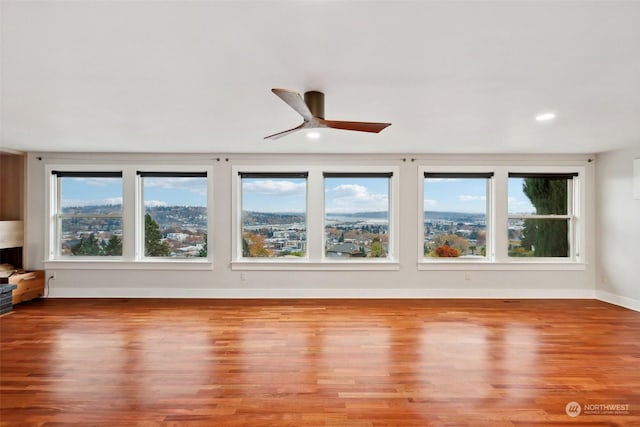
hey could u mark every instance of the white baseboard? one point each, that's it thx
(243, 293)
(630, 303)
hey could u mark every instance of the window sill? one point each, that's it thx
(118, 264)
(545, 265)
(316, 266)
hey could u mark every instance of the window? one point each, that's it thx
(175, 214)
(88, 213)
(127, 216)
(273, 215)
(356, 221)
(542, 220)
(455, 215)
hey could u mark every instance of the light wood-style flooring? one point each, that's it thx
(126, 362)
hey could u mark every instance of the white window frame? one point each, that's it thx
(140, 237)
(237, 197)
(133, 212)
(314, 259)
(55, 217)
(490, 217)
(574, 204)
(497, 210)
(392, 213)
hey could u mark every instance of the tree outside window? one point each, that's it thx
(540, 214)
(175, 219)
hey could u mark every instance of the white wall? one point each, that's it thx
(618, 228)
(525, 282)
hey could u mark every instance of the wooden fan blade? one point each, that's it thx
(295, 101)
(286, 132)
(356, 126)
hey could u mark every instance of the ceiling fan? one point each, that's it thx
(312, 111)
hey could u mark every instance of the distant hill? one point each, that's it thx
(361, 215)
(454, 216)
(167, 217)
(176, 216)
(271, 218)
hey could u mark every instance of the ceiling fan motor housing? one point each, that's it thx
(315, 102)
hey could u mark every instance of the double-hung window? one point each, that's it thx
(88, 211)
(456, 216)
(273, 215)
(130, 214)
(175, 219)
(543, 215)
(357, 215)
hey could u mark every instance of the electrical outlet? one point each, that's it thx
(52, 275)
(467, 276)
(243, 277)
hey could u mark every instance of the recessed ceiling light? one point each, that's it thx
(313, 135)
(545, 117)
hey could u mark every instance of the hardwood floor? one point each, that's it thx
(319, 363)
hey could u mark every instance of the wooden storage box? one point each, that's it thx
(30, 285)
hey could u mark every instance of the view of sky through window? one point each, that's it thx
(356, 217)
(158, 192)
(519, 203)
(455, 217)
(350, 195)
(274, 195)
(175, 191)
(76, 192)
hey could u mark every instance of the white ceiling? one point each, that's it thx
(195, 76)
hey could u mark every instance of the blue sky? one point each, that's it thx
(274, 195)
(157, 191)
(342, 195)
(469, 195)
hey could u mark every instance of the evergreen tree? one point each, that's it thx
(113, 247)
(153, 244)
(203, 251)
(89, 246)
(245, 247)
(546, 237)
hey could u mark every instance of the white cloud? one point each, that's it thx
(194, 185)
(93, 202)
(275, 188)
(354, 197)
(98, 182)
(154, 203)
(468, 198)
(429, 203)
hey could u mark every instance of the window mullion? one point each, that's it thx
(129, 204)
(315, 216)
(501, 217)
